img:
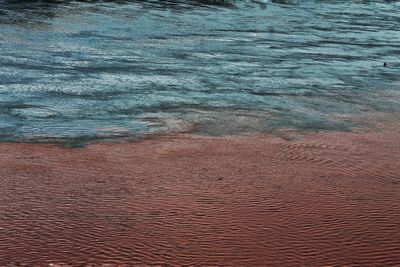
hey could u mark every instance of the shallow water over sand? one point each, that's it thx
(81, 71)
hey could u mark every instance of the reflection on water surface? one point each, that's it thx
(96, 69)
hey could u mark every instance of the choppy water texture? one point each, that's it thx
(83, 70)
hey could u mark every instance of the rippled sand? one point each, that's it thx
(312, 199)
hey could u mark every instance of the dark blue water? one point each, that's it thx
(87, 70)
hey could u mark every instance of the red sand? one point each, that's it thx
(326, 199)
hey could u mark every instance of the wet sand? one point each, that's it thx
(313, 199)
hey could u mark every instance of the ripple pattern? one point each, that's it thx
(322, 199)
(89, 70)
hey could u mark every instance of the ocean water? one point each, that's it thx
(87, 70)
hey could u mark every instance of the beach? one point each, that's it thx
(292, 199)
(199, 133)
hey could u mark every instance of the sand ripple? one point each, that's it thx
(325, 199)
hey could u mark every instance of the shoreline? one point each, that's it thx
(324, 198)
(360, 123)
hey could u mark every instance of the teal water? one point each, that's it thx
(76, 70)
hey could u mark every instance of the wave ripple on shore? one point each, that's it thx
(320, 199)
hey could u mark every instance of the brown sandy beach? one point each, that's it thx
(311, 199)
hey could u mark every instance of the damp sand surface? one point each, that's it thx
(313, 199)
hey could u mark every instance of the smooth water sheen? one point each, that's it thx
(88, 70)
